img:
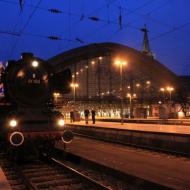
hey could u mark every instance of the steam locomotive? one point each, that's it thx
(27, 115)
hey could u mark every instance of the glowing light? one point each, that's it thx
(181, 114)
(74, 85)
(120, 63)
(20, 74)
(162, 89)
(170, 89)
(13, 123)
(148, 82)
(56, 94)
(61, 122)
(35, 64)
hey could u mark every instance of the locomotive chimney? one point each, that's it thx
(26, 55)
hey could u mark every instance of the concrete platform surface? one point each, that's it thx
(4, 184)
(167, 170)
(177, 129)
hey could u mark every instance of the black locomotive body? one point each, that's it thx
(28, 113)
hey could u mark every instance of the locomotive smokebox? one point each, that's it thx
(26, 55)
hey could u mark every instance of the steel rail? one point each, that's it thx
(81, 175)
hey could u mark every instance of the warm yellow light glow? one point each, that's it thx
(181, 114)
(162, 89)
(61, 122)
(148, 82)
(134, 95)
(56, 94)
(117, 62)
(74, 85)
(13, 123)
(170, 89)
(137, 85)
(100, 58)
(124, 63)
(130, 96)
(92, 62)
(20, 74)
(77, 73)
(120, 63)
(35, 64)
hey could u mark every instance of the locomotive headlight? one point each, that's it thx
(61, 122)
(35, 64)
(13, 123)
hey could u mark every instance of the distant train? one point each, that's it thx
(26, 113)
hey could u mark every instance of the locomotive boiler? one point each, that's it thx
(28, 115)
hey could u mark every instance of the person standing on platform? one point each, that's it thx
(71, 116)
(86, 115)
(93, 112)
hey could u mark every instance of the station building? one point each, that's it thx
(111, 76)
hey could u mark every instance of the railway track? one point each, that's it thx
(48, 174)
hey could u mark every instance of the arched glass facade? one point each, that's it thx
(101, 79)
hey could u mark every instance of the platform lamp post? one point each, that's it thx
(170, 90)
(74, 86)
(163, 93)
(131, 97)
(121, 64)
(56, 95)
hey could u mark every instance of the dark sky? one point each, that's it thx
(168, 22)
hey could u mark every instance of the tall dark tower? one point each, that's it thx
(146, 45)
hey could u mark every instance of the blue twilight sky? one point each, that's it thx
(168, 22)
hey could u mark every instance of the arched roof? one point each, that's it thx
(137, 61)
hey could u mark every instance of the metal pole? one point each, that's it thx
(121, 75)
(74, 93)
(130, 99)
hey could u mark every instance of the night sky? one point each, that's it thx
(27, 27)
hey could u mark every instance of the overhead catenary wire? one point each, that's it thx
(108, 21)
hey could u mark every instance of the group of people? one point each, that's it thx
(87, 113)
(86, 116)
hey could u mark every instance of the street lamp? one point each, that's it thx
(130, 96)
(163, 92)
(170, 89)
(56, 95)
(121, 64)
(74, 86)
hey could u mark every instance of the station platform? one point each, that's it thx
(170, 171)
(4, 184)
(153, 127)
(161, 137)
